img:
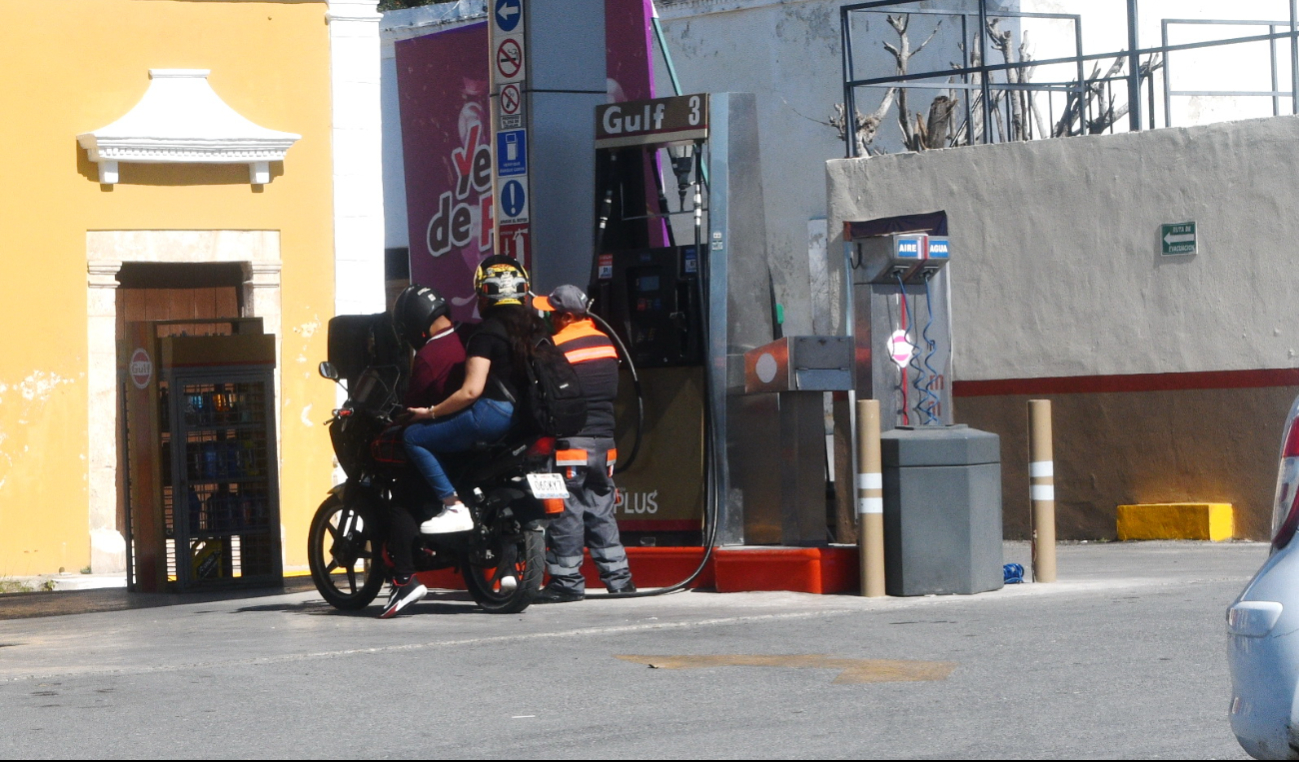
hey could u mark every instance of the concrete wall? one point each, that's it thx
(1056, 246)
(788, 53)
(1059, 286)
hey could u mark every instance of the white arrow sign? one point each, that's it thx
(1179, 238)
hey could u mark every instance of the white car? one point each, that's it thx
(1263, 627)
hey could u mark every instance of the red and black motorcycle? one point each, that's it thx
(511, 489)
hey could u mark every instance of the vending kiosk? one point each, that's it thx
(202, 472)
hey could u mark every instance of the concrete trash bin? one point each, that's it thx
(942, 511)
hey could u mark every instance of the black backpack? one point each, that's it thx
(553, 401)
(554, 395)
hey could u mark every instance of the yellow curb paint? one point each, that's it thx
(850, 670)
(1177, 521)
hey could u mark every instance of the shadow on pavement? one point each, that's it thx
(436, 602)
(30, 605)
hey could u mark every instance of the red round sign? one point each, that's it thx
(141, 369)
(509, 57)
(510, 99)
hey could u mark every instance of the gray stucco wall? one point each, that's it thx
(787, 52)
(1056, 266)
(788, 55)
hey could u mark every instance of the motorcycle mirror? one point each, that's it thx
(328, 370)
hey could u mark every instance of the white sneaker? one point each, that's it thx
(509, 584)
(453, 518)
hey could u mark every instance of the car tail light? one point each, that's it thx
(1285, 507)
(552, 506)
(542, 448)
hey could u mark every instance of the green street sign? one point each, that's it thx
(1178, 238)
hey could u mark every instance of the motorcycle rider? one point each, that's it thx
(588, 459)
(422, 317)
(482, 409)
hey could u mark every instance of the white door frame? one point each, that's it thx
(106, 250)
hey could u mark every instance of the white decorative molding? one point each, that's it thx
(354, 10)
(181, 120)
(103, 274)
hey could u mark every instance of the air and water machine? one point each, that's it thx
(942, 481)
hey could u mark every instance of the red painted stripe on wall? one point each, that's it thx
(1141, 382)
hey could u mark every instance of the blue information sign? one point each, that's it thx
(512, 153)
(514, 200)
(508, 14)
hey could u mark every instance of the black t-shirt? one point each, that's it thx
(491, 341)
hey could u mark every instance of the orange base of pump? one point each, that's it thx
(823, 571)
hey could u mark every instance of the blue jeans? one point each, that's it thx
(485, 421)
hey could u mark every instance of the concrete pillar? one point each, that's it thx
(358, 156)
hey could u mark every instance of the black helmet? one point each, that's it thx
(415, 309)
(501, 280)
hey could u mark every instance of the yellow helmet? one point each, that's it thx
(501, 280)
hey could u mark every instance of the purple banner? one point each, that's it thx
(442, 82)
(446, 137)
(628, 42)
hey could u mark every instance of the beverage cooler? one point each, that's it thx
(202, 487)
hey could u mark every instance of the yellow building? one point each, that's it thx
(184, 203)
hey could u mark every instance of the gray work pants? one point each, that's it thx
(588, 519)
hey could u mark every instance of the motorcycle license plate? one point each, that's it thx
(548, 486)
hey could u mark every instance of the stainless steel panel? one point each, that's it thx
(821, 380)
(740, 309)
(800, 363)
(876, 313)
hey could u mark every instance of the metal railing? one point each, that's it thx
(999, 102)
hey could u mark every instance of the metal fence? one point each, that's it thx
(975, 100)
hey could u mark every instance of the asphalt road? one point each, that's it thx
(1125, 657)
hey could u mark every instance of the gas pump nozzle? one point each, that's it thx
(683, 162)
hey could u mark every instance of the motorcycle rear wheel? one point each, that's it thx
(482, 576)
(340, 541)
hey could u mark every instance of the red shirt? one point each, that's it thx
(438, 370)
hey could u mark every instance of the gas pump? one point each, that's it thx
(686, 311)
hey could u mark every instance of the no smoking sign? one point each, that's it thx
(511, 100)
(509, 60)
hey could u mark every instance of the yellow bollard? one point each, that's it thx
(870, 499)
(1041, 471)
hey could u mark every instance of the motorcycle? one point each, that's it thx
(511, 489)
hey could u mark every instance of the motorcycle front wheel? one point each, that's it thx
(521, 555)
(343, 554)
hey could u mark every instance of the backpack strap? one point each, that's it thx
(502, 389)
(494, 328)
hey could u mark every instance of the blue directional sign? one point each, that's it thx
(508, 14)
(514, 201)
(512, 153)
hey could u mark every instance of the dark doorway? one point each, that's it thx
(149, 291)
